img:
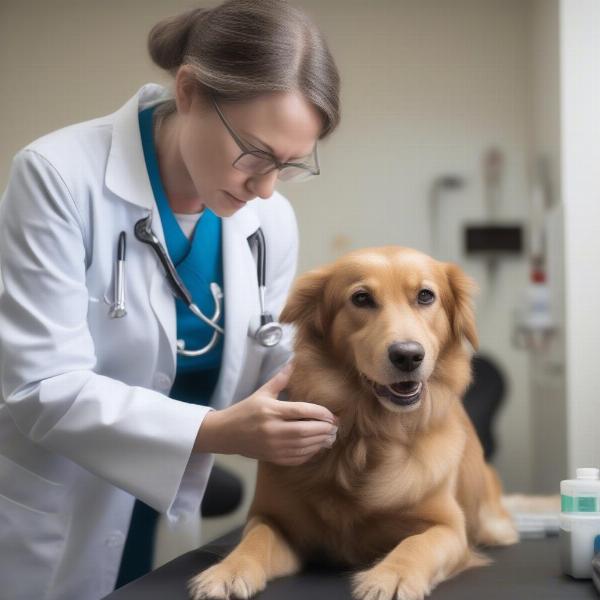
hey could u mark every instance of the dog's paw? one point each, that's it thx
(496, 530)
(241, 578)
(384, 583)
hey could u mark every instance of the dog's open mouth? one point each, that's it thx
(402, 393)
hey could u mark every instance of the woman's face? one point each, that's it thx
(282, 123)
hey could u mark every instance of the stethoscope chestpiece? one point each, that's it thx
(270, 332)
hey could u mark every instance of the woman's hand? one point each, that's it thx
(268, 429)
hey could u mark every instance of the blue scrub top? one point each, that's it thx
(198, 262)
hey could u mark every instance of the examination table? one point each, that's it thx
(526, 571)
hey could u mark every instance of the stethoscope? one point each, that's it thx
(269, 333)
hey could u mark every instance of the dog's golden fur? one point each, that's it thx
(404, 493)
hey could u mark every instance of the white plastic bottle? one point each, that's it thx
(579, 534)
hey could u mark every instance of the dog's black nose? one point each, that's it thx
(407, 356)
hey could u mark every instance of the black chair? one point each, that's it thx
(483, 399)
(224, 493)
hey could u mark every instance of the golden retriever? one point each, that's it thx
(404, 493)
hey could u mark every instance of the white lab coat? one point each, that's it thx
(86, 424)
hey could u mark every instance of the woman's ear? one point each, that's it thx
(186, 89)
(304, 306)
(460, 304)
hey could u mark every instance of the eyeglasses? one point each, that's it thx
(255, 161)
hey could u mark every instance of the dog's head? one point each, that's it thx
(394, 315)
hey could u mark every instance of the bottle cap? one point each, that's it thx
(588, 473)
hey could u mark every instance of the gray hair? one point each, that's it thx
(242, 49)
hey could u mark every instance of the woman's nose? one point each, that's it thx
(263, 185)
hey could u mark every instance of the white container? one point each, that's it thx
(579, 534)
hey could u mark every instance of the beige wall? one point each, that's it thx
(428, 86)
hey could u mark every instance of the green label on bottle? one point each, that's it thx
(566, 503)
(578, 503)
(586, 503)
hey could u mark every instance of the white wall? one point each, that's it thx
(580, 190)
(548, 383)
(566, 101)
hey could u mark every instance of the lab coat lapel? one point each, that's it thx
(127, 177)
(162, 299)
(240, 293)
(126, 174)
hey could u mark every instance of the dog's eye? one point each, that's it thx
(426, 297)
(363, 299)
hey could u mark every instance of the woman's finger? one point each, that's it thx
(296, 411)
(323, 440)
(278, 382)
(302, 429)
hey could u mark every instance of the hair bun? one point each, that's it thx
(167, 40)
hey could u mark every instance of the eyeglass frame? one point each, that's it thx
(248, 148)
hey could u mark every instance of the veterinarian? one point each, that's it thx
(99, 408)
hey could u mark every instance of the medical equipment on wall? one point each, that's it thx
(441, 184)
(269, 332)
(534, 322)
(579, 535)
(489, 239)
(494, 238)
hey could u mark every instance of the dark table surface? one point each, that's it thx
(529, 570)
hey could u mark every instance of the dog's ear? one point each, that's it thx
(460, 304)
(304, 306)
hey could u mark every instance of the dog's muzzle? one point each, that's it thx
(402, 393)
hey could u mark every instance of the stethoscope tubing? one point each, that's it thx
(269, 332)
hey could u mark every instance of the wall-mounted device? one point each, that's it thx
(492, 239)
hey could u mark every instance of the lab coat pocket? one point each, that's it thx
(118, 342)
(98, 315)
(33, 525)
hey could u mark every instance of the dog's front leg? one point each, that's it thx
(263, 554)
(417, 564)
